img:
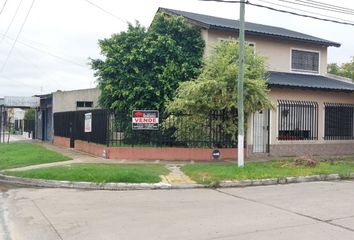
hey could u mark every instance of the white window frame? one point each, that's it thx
(301, 71)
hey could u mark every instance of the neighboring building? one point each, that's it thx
(12, 113)
(62, 101)
(314, 111)
(84, 99)
(44, 118)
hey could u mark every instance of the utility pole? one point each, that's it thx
(241, 132)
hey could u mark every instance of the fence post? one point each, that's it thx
(109, 127)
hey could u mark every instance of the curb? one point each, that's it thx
(160, 185)
(287, 180)
(94, 186)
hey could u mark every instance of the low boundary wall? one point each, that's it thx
(148, 153)
(61, 141)
(169, 153)
(91, 148)
(322, 149)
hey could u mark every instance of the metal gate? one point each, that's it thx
(261, 131)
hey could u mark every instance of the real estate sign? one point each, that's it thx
(145, 120)
(88, 122)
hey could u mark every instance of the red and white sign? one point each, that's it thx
(145, 120)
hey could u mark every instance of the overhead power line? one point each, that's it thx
(300, 14)
(319, 6)
(297, 9)
(328, 5)
(316, 4)
(48, 53)
(18, 34)
(284, 11)
(223, 1)
(104, 10)
(12, 20)
(3, 7)
(12, 82)
(30, 62)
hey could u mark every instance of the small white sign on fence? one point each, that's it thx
(88, 122)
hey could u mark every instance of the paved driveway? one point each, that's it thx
(320, 210)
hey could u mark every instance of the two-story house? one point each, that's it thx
(314, 112)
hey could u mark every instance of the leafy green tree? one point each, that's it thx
(345, 70)
(30, 114)
(333, 68)
(216, 88)
(141, 68)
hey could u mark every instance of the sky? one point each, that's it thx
(55, 43)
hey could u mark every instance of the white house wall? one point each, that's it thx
(64, 101)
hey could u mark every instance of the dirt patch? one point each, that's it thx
(307, 161)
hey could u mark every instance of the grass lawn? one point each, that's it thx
(99, 173)
(23, 154)
(213, 173)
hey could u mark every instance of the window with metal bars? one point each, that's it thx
(84, 104)
(339, 121)
(304, 61)
(297, 120)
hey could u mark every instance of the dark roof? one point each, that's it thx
(44, 96)
(308, 81)
(250, 28)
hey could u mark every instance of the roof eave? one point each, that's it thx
(323, 43)
(310, 88)
(171, 13)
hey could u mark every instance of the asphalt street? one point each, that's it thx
(318, 210)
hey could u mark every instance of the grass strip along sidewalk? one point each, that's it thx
(98, 173)
(214, 173)
(15, 155)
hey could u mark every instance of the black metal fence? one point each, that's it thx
(339, 123)
(216, 129)
(72, 125)
(297, 120)
(29, 125)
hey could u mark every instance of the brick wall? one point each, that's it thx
(61, 141)
(151, 153)
(91, 148)
(148, 153)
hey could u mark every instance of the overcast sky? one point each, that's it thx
(59, 36)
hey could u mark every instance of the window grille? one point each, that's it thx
(297, 120)
(304, 61)
(82, 104)
(339, 121)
